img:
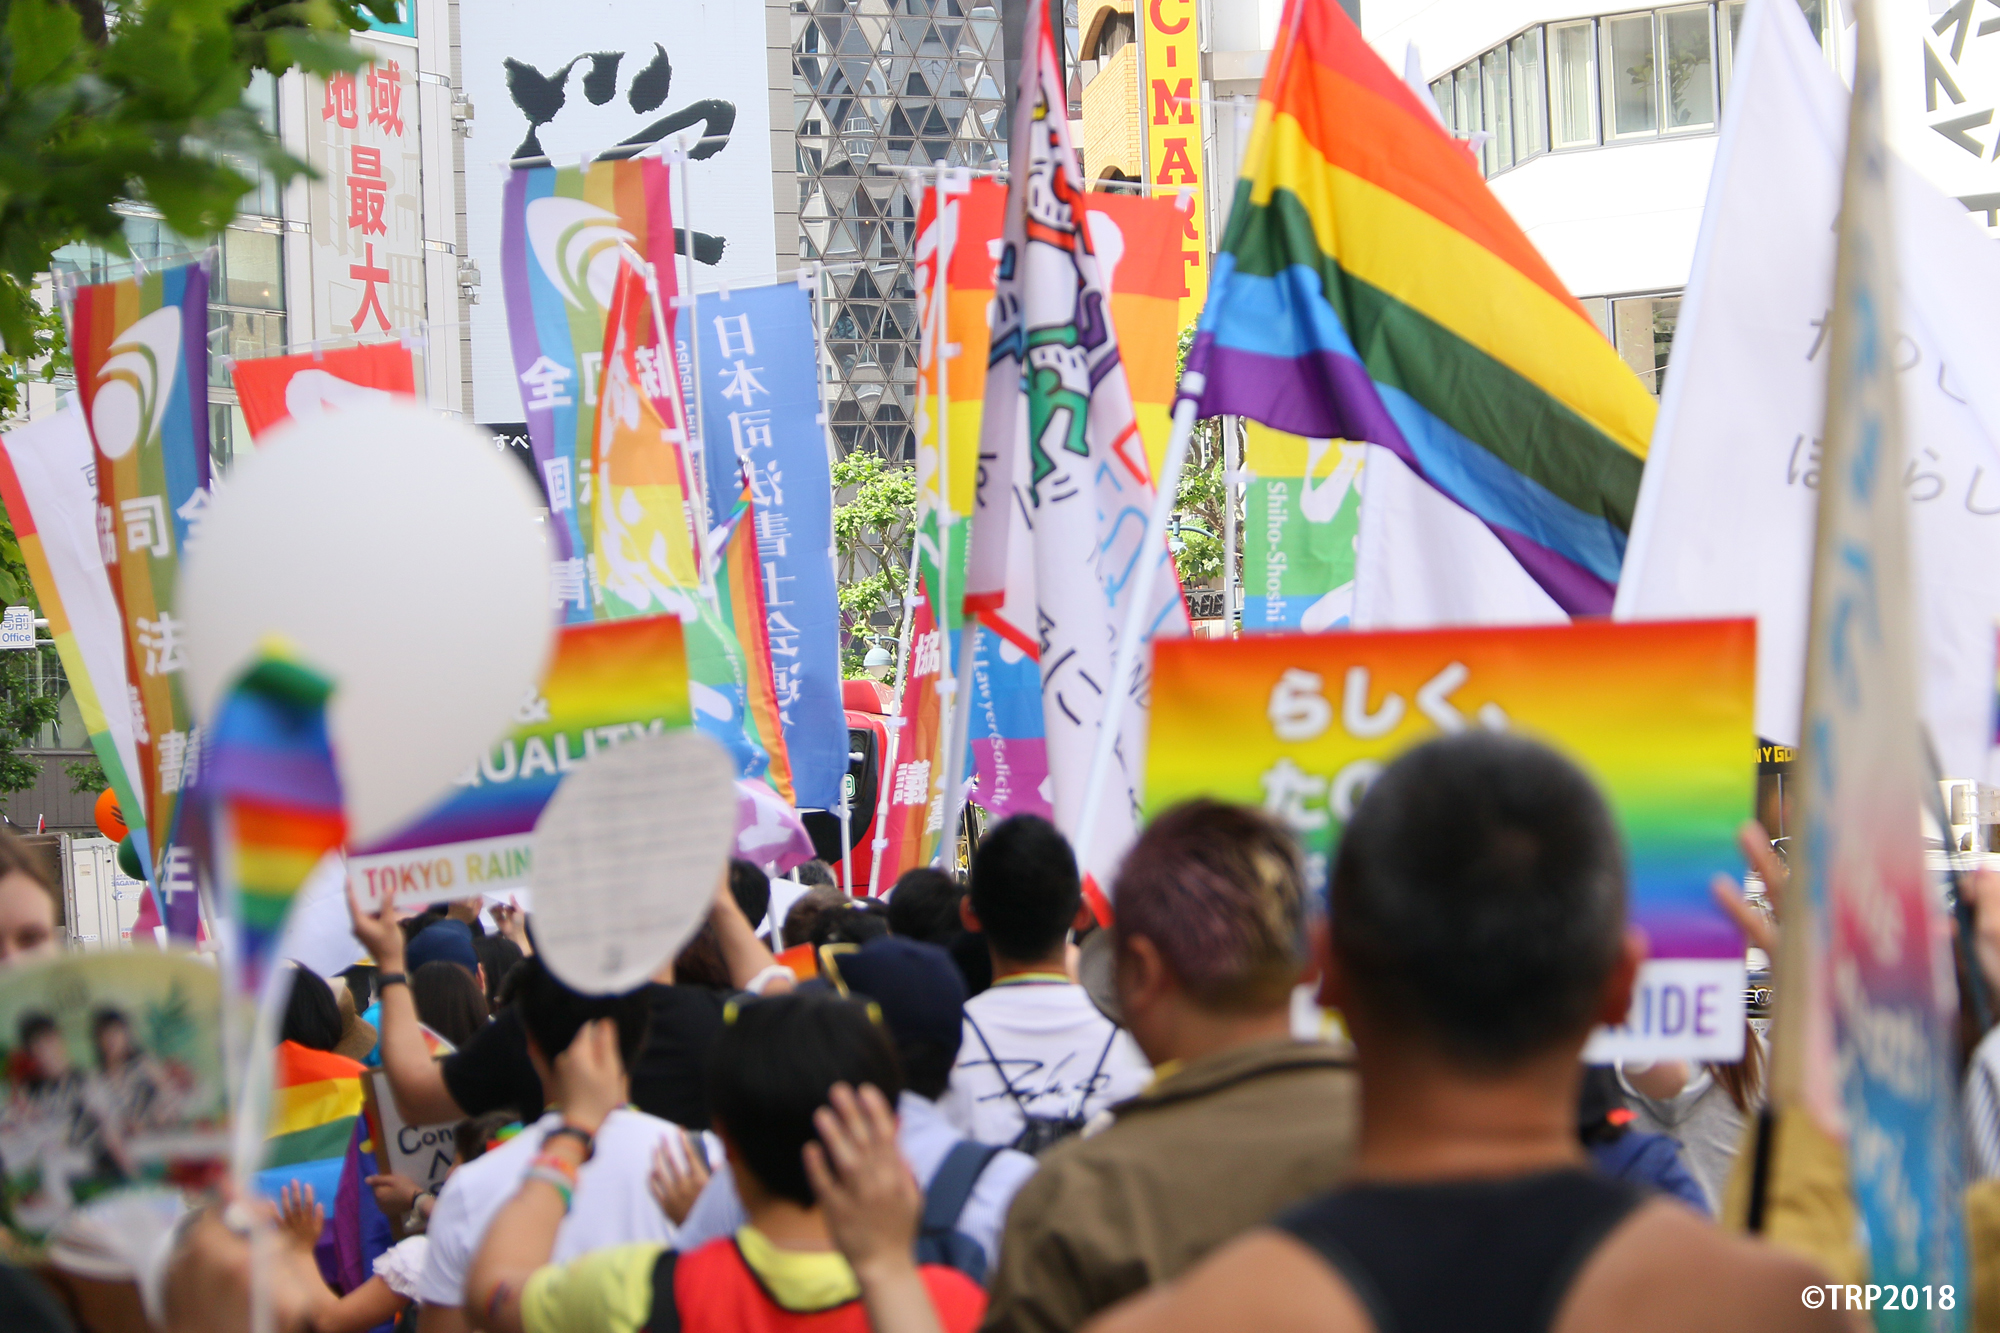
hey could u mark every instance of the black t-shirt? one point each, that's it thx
(669, 1079)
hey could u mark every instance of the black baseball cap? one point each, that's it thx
(917, 987)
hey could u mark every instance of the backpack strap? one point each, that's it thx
(951, 1188)
(1000, 1070)
(666, 1312)
(1091, 1082)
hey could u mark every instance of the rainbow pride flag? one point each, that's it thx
(316, 1101)
(270, 782)
(1370, 287)
(739, 590)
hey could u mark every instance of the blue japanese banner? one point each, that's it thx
(760, 420)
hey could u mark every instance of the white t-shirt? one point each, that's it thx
(613, 1204)
(1060, 1057)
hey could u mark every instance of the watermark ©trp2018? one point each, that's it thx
(1872, 1297)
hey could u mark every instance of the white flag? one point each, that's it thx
(1725, 519)
(1424, 560)
(1064, 496)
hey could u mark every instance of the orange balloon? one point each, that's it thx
(110, 821)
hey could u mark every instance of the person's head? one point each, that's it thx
(815, 872)
(751, 888)
(111, 1038)
(1025, 890)
(43, 1041)
(773, 1066)
(27, 904)
(497, 956)
(922, 999)
(312, 1015)
(700, 962)
(466, 911)
(854, 922)
(806, 912)
(1478, 907)
(445, 941)
(924, 906)
(472, 1136)
(1601, 1113)
(1211, 919)
(449, 1002)
(553, 1014)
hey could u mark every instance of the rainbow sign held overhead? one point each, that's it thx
(1659, 713)
(609, 682)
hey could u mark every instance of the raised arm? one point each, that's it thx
(872, 1207)
(414, 1077)
(751, 965)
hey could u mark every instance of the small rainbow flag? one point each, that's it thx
(275, 795)
(316, 1100)
(739, 589)
(1371, 287)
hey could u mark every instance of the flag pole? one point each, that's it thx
(1232, 578)
(1133, 630)
(958, 691)
(885, 784)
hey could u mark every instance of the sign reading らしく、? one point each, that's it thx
(1659, 714)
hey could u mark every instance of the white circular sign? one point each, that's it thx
(400, 554)
(629, 854)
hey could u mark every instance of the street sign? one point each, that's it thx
(17, 628)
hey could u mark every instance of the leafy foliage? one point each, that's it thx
(86, 776)
(1200, 500)
(25, 708)
(872, 538)
(104, 101)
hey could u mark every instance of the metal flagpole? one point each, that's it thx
(1232, 581)
(1134, 625)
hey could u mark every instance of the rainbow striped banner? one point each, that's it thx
(1360, 224)
(739, 588)
(1659, 713)
(316, 1101)
(275, 795)
(562, 242)
(141, 348)
(609, 682)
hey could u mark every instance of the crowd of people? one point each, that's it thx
(978, 1107)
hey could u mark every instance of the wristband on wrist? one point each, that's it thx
(548, 1171)
(584, 1138)
(388, 979)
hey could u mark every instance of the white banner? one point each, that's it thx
(1727, 507)
(367, 207)
(595, 73)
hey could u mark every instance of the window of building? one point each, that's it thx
(1587, 82)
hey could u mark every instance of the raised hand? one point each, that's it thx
(678, 1178)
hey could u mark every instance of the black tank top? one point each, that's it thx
(1497, 1256)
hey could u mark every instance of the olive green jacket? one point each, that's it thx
(1209, 1151)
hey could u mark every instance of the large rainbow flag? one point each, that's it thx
(739, 589)
(316, 1101)
(1370, 287)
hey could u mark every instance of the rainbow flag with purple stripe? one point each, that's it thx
(270, 783)
(1371, 287)
(739, 589)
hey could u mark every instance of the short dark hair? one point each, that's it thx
(815, 872)
(1478, 899)
(751, 888)
(855, 922)
(553, 1014)
(1025, 888)
(774, 1065)
(312, 1016)
(700, 962)
(924, 906)
(805, 913)
(471, 1135)
(448, 1000)
(35, 1025)
(1220, 891)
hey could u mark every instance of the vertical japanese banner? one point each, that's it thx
(1658, 714)
(916, 809)
(367, 205)
(1170, 100)
(1873, 950)
(761, 427)
(277, 389)
(1302, 517)
(48, 481)
(141, 349)
(563, 234)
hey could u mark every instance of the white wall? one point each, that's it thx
(1614, 220)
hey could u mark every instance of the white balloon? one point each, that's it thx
(629, 854)
(400, 554)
